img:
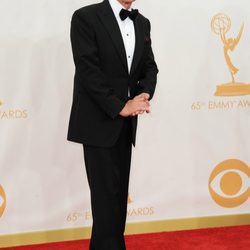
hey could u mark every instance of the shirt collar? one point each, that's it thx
(116, 7)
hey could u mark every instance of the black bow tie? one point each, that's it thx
(126, 13)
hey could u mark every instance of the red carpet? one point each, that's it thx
(229, 238)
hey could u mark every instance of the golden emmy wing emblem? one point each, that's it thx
(129, 199)
(2, 201)
(220, 25)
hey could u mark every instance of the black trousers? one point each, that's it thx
(108, 176)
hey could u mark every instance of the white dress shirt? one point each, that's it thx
(127, 30)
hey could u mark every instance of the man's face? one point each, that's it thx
(126, 3)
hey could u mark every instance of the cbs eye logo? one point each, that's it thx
(229, 183)
(2, 201)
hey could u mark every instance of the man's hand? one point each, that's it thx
(138, 105)
(146, 97)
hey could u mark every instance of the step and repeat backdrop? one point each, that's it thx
(193, 151)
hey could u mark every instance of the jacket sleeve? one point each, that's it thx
(88, 68)
(147, 83)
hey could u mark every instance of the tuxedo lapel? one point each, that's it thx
(139, 44)
(108, 19)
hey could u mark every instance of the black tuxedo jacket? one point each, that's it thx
(101, 79)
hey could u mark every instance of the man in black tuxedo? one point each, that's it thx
(115, 78)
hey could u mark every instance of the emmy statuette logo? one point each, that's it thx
(229, 183)
(2, 201)
(130, 200)
(220, 25)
